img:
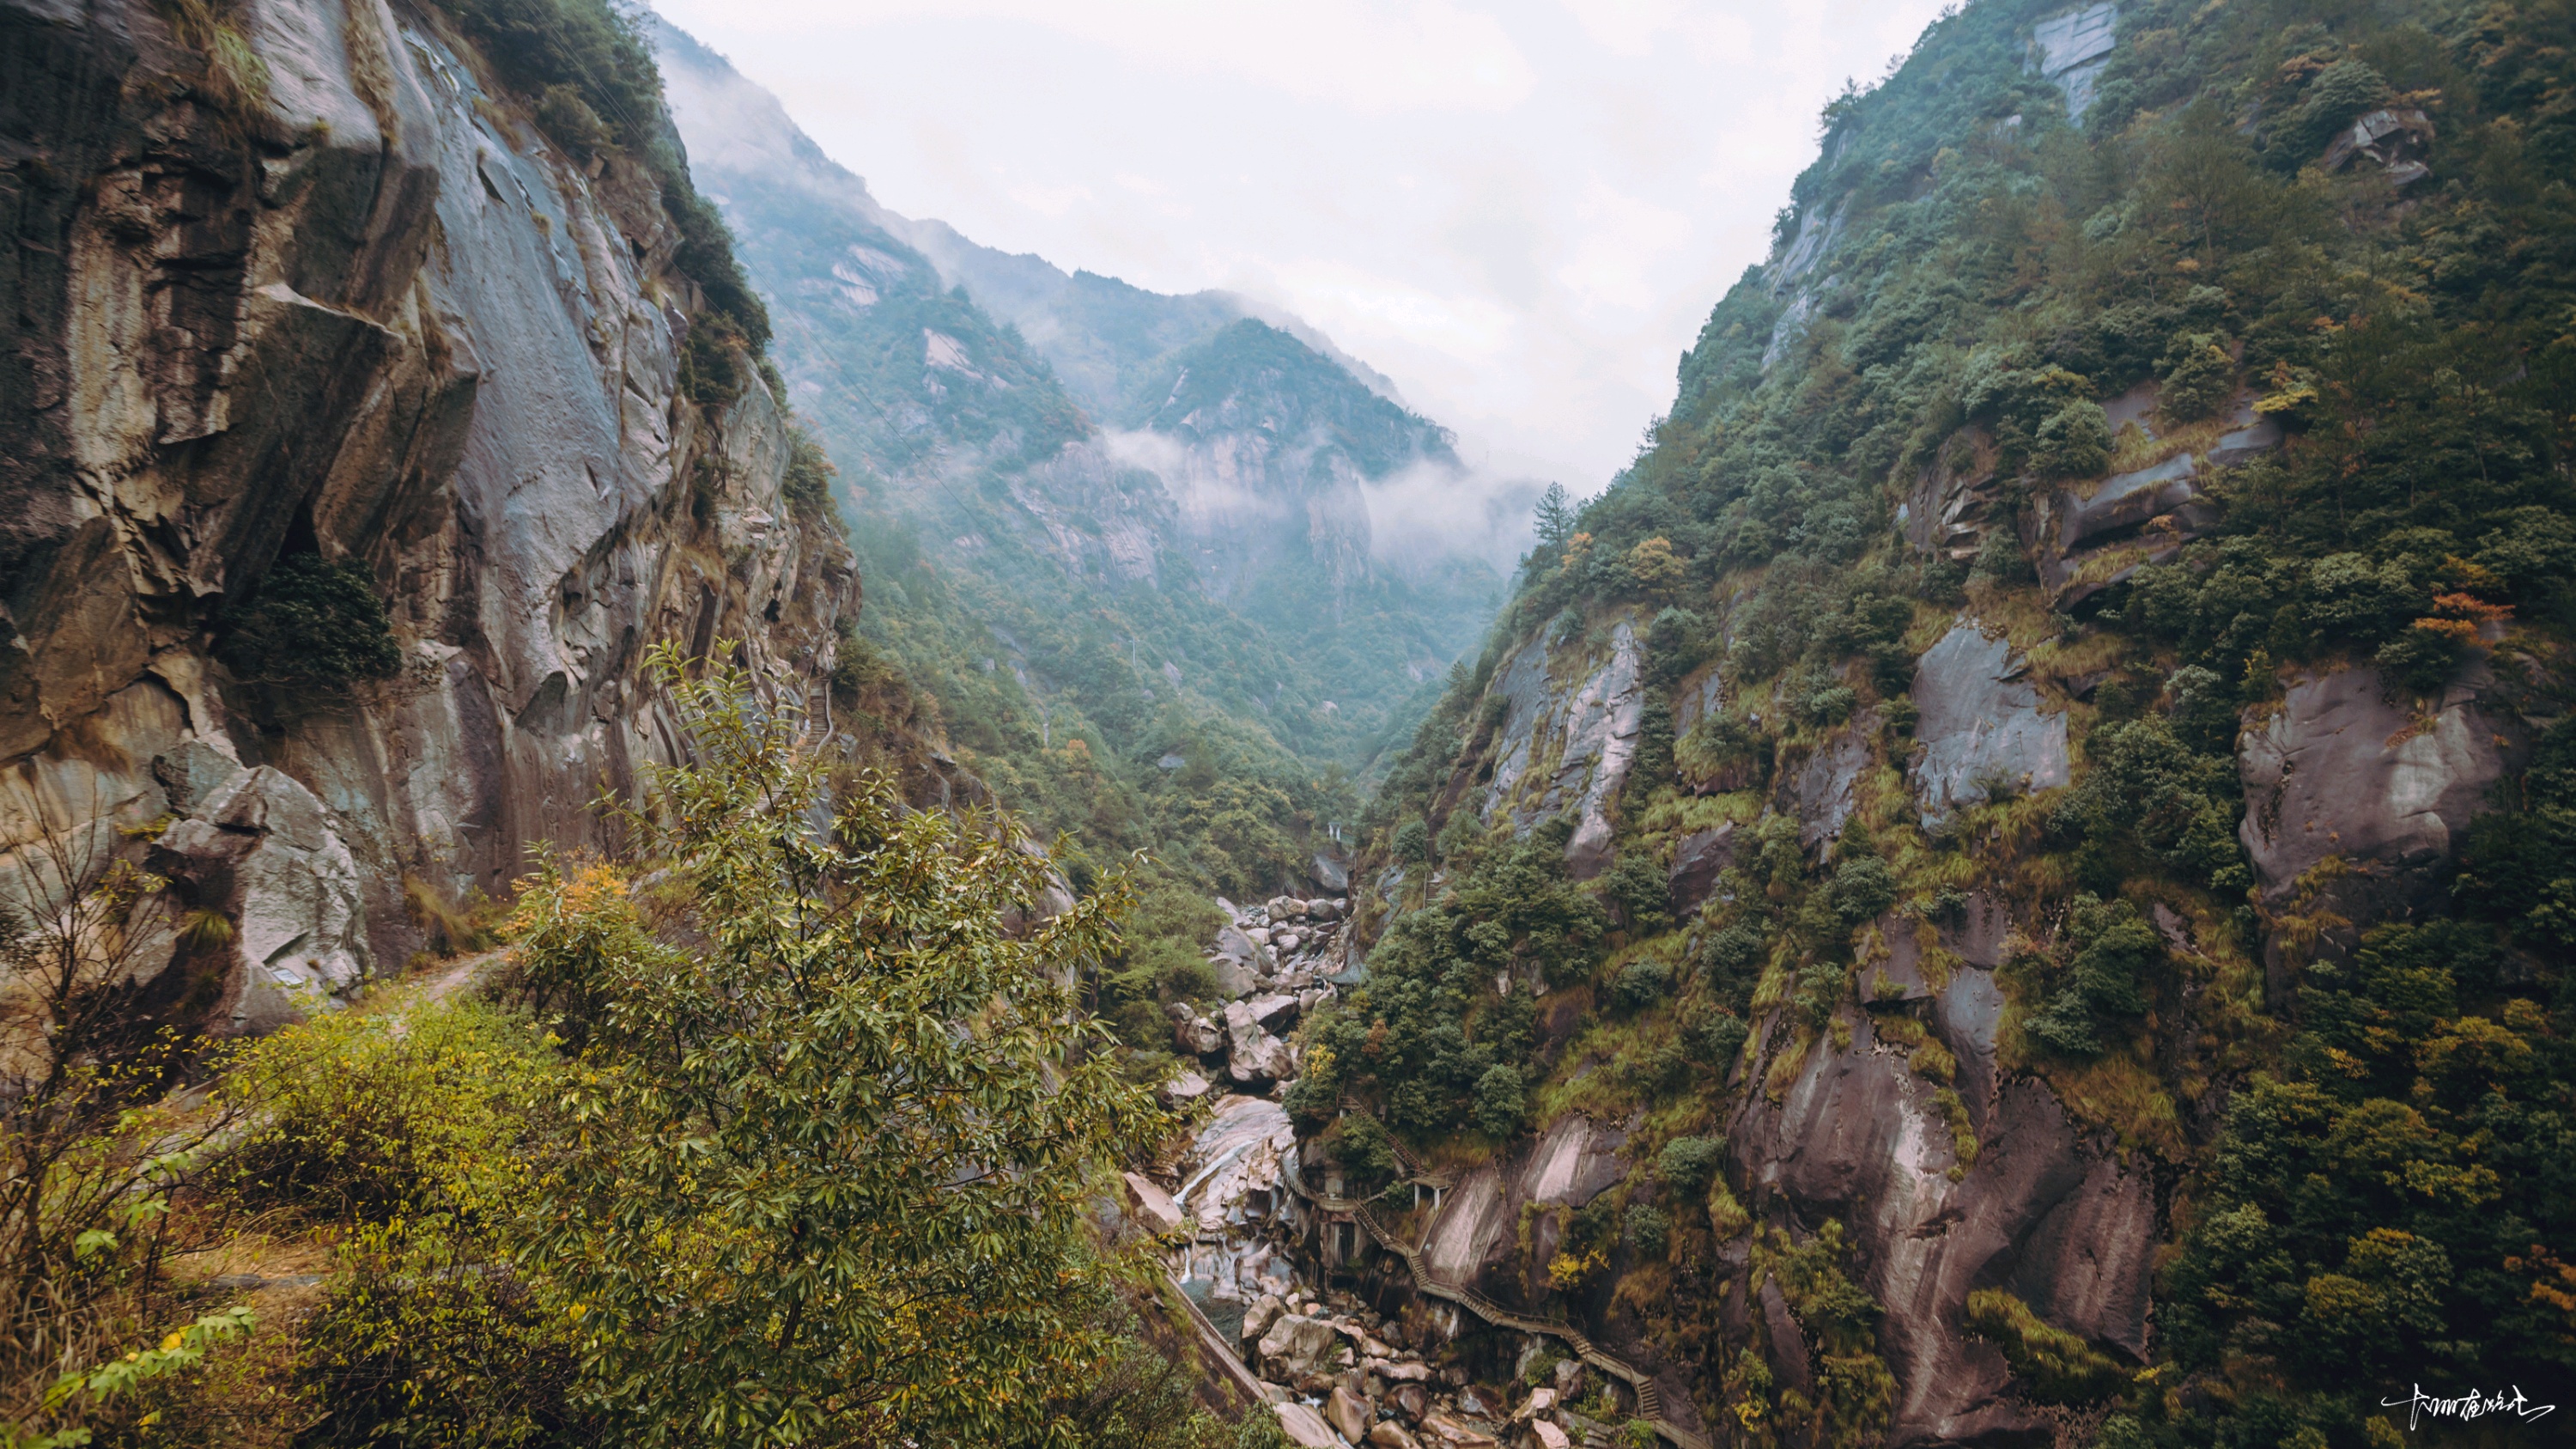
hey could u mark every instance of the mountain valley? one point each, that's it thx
(644, 802)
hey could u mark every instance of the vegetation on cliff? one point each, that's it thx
(780, 1134)
(1979, 306)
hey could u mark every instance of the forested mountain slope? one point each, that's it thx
(1121, 541)
(2008, 880)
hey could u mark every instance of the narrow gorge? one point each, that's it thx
(645, 801)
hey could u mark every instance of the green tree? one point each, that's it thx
(310, 622)
(1554, 519)
(838, 1130)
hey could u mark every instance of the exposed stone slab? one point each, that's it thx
(1981, 728)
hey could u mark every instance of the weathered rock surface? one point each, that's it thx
(1593, 729)
(2043, 1212)
(1698, 860)
(2339, 771)
(376, 316)
(262, 850)
(1981, 730)
(1475, 1237)
(1820, 790)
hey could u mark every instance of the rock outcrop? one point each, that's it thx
(362, 309)
(1580, 742)
(2044, 1212)
(2342, 773)
(1982, 733)
(261, 850)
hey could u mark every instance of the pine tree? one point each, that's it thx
(1555, 517)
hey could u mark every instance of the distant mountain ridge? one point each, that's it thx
(1149, 515)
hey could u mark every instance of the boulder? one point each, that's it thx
(1568, 1379)
(1255, 1056)
(1442, 1429)
(1981, 732)
(1324, 910)
(1349, 1413)
(1154, 1208)
(1305, 1428)
(1296, 1345)
(1289, 941)
(1697, 862)
(262, 850)
(1411, 1400)
(1332, 871)
(1196, 1036)
(1266, 1059)
(1264, 1311)
(1548, 1435)
(1388, 1434)
(1275, 1012)
(1237, 961)
(1185, 1087)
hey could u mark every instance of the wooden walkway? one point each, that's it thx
(1650, 1400)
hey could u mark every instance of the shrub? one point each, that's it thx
(1862, 887)
(2199, 376)
(1412, 843)
(1649, 1229)
(834, 1177)
(1640, 894)
(2055, 1365)
(807, 486)
(2073, 442)
(1641, 984)
(1499, 1102)
(425, 1340)
(370, 1116)
(308, 623)
(2338, 94)
(2105, 983)
(1690, 1163)
(2421, 659)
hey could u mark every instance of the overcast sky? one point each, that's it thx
(1520, 212)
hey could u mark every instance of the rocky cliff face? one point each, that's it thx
(333, 292)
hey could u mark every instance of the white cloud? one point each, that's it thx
(1521, 211)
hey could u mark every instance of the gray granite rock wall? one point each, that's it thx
(370, 311)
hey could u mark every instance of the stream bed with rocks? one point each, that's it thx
(1271, 1269)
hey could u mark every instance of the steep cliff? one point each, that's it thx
(296, 286)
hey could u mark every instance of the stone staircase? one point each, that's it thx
(1650, 1399)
